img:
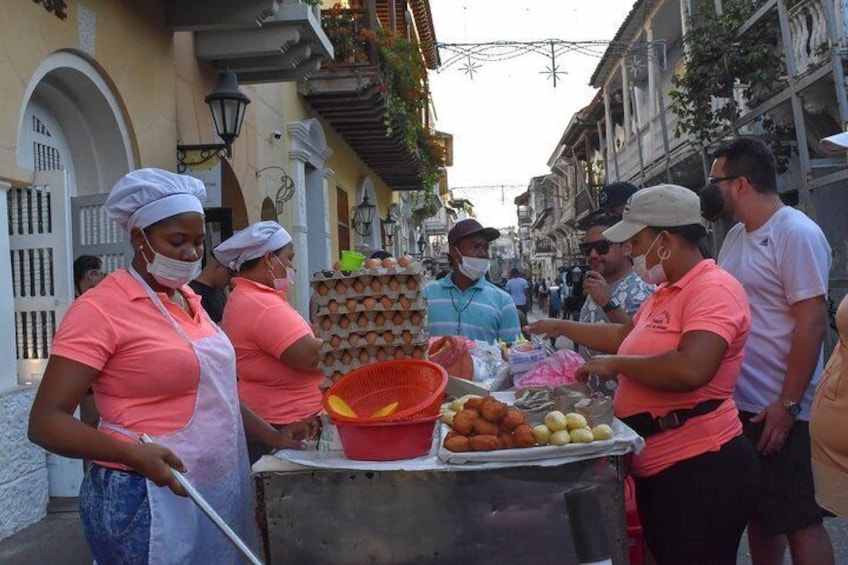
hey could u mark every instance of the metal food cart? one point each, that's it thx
(427, 511)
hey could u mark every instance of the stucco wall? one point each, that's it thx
(23, 466)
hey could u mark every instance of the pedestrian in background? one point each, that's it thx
(88, 272)
(517, 288)
(782, 259)
(210, 285)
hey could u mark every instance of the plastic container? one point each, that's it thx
(417, 386)
(351, 260)
(386, 441)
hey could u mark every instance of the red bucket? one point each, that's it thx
(386, 441)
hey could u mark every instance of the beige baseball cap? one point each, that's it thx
(664, 205)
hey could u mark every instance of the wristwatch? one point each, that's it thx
(794, 408)
(611, 305)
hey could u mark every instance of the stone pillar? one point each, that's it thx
(8, 366)
(299, 232)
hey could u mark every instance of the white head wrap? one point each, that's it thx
(254, 241)
(145, 196)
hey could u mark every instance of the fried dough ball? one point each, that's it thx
(463, 422)
(493, 410)
(507, 441)
(458, 444)
(452, 433)
(512, 420)
(484, 428)
(485, 443)
(473, 404)
(523, 436)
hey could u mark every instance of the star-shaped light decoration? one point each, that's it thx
(470, 67)
(552, 71)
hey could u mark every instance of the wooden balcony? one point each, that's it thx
(349, 94)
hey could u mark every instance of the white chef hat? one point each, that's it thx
(254, 241)
(145, 196)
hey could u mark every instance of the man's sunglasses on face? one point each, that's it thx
(602, 247)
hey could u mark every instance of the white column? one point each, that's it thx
(327, 174)
(299, 231)
(625, 92)
(8, 367)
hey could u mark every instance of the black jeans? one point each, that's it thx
(695, 511)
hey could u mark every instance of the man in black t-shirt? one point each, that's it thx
(210, 285)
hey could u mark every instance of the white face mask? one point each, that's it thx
(474, 268)
(286, 283)
(654, 275)
(171, 273)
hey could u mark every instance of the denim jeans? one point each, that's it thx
(115, 516)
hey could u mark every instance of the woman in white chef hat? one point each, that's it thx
(276, 350)
(158, 366)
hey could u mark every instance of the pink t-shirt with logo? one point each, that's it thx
(262, 325)
(708, 299)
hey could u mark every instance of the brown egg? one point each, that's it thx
(346, 358)
(406, 336)
(344, 322)
(376, 285)
(389, 338)
(333, 306)
(335, 341)
(369, 302)
(389, 262)
(372, 263)
(382, 354)
(397, 319)
(337, 375)
(380, 319)
(326, 324)
(411, 283)
(405, 261)
(362, 321)
(418, 353)
(386, 302)
(351, 304)
(329, 359)
(337, 266)
(353, 339)
(358, 286)
(364, 357)
(404, 302)
(371, 338)
(394, 284)
(322, 289)
(415, 319)
(399, 354)
(341, 287)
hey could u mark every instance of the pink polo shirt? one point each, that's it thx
(148, 373)
(708, 299)
(262, 325)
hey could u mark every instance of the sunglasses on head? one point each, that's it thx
(602, 247)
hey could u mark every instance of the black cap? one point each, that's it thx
(615, 194)
(469, 227)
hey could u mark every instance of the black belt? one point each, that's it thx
(646, 425)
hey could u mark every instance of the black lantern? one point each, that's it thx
(228, 105)
(363, 217)
(389, 227)
(422, 244)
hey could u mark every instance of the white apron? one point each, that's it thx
(213, 447)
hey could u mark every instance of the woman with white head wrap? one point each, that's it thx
(158, 366)
(277, 353)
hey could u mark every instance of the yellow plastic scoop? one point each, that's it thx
(340, 407)
(386, 410)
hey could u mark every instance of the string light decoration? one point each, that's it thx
(472, 55)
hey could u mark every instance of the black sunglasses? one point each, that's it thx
(602, 247)
(716, 180)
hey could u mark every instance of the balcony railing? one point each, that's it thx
(808, 29)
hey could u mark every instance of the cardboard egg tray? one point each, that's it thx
(336, 364)
(367, 286)
(329, 326)
(363, 304)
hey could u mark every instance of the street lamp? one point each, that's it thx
(363, 217)
(389, 227)
(227, 104)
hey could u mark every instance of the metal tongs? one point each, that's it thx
(210, 512)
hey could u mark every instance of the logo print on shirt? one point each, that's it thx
(764, 242)
(659, 320)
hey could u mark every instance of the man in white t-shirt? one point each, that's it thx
(782, 259)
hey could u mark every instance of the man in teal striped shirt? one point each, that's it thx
(464, 302)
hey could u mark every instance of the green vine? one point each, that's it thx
(716, 59)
